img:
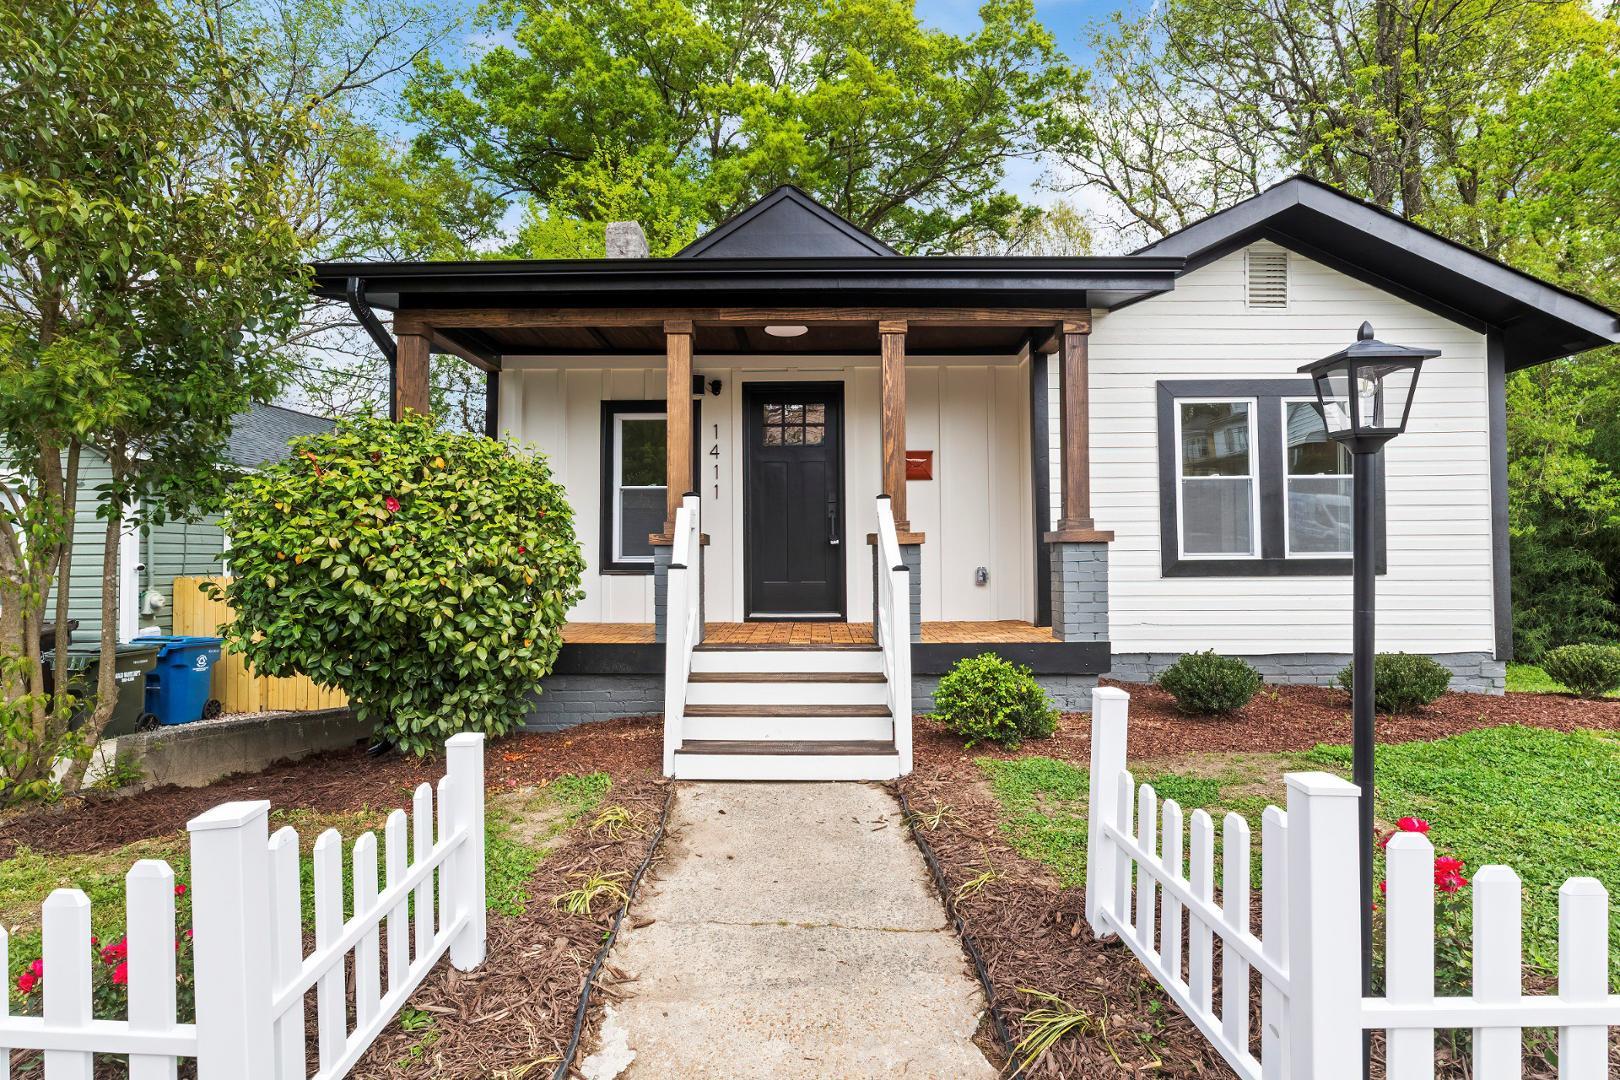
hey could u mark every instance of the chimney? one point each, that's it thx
(625, 240)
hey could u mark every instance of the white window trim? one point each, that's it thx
(1288, 532)
(617, 465)
(1253, 477)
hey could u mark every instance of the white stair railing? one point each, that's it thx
(683, 621)
(894, 628)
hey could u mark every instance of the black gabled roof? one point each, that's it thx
(1538, 321)
(786, 223)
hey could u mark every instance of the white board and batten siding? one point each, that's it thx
(1436, 596)
(972, 412)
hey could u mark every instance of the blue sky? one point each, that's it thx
(1066, 19)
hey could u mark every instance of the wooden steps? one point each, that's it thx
(839, 747)
(788, 710)
(786, 677)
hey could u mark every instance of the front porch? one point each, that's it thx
(994, 632)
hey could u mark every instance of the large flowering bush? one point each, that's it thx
(428, 573)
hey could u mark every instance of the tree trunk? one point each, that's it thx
(60, 710)
(106, 681)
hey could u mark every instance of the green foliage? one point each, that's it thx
(1589, 670)
(427, 573)
(679, 114)
(1208, 684)
(1402, 682)
(987, 699)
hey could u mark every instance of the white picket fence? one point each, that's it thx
(1157, 897)
(250, 966)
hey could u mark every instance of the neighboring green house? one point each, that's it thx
(151, 558)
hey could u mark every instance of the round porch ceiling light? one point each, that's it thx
(787, 331)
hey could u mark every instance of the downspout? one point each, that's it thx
(356, 292)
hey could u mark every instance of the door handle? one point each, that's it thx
(832, 525)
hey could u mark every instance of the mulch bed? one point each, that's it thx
(1033, 933)
(336, 782)
(511, 1019)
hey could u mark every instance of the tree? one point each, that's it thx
(705, 107)
(427, 573)
(1493, 122)
(148, 275)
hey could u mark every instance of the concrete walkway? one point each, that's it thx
(795, 933)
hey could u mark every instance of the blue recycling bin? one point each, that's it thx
(177, 688)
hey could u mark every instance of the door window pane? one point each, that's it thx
(794, 425)
(1318, 481)
(1217, 478)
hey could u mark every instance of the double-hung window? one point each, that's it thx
(1216, 480)
(1249, 482)
(633, 483)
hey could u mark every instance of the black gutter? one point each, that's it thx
(355, 292)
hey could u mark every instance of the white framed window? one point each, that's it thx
(1217, 484)
(1316, 484)
(635, 486)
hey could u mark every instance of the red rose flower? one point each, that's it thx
(1412, 824)
(26, 982)
(180, 890)
(120, 974)
(37, 968)
(522, 550)
(392, 504)
(1448, 875)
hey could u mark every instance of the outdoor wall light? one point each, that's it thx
(787, 331)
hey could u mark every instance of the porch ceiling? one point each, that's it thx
(858, 338)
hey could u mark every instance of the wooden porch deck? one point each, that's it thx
(1002, 632)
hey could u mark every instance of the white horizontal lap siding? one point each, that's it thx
(1436, 596)
(973, 413)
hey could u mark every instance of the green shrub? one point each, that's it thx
(427, 573)
(987, 699)
(1589, 670)
(1208, 684)
(1402, 682)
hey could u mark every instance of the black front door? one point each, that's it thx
(793, 517)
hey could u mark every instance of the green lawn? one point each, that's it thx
(520, 828)
(1543, 802)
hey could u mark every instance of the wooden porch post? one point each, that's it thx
(678, 407)
(410, 376)
(893, 393)
(1075, 516)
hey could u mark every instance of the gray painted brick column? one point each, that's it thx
(1080, 591)
(663, 555)
(911, 558)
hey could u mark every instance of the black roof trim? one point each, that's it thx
(786, 222)
(1540, 321)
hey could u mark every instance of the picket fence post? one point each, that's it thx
(230, 897)
(1324, 955)
(464, 766)
(1109, 725)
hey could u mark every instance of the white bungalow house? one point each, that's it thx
(1089, 465)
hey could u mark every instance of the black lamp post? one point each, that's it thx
(1365, 393)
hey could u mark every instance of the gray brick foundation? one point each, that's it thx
(566, 700)
(1080, 591)
(1070, 693)
(1473, 672)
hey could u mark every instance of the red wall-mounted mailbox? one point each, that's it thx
(919, 464)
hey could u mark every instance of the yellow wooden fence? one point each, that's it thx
(235, 685)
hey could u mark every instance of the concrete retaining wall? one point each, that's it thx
(1473, 672)
(191, 755)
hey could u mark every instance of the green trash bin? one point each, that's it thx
(133, 660)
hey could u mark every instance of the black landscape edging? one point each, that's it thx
(969, 946)
(583, 1010)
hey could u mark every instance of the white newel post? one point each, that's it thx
(1109, 719)
(1324, 954)
(230, 876)
(464, 765)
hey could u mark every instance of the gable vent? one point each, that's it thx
(1268, 277)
